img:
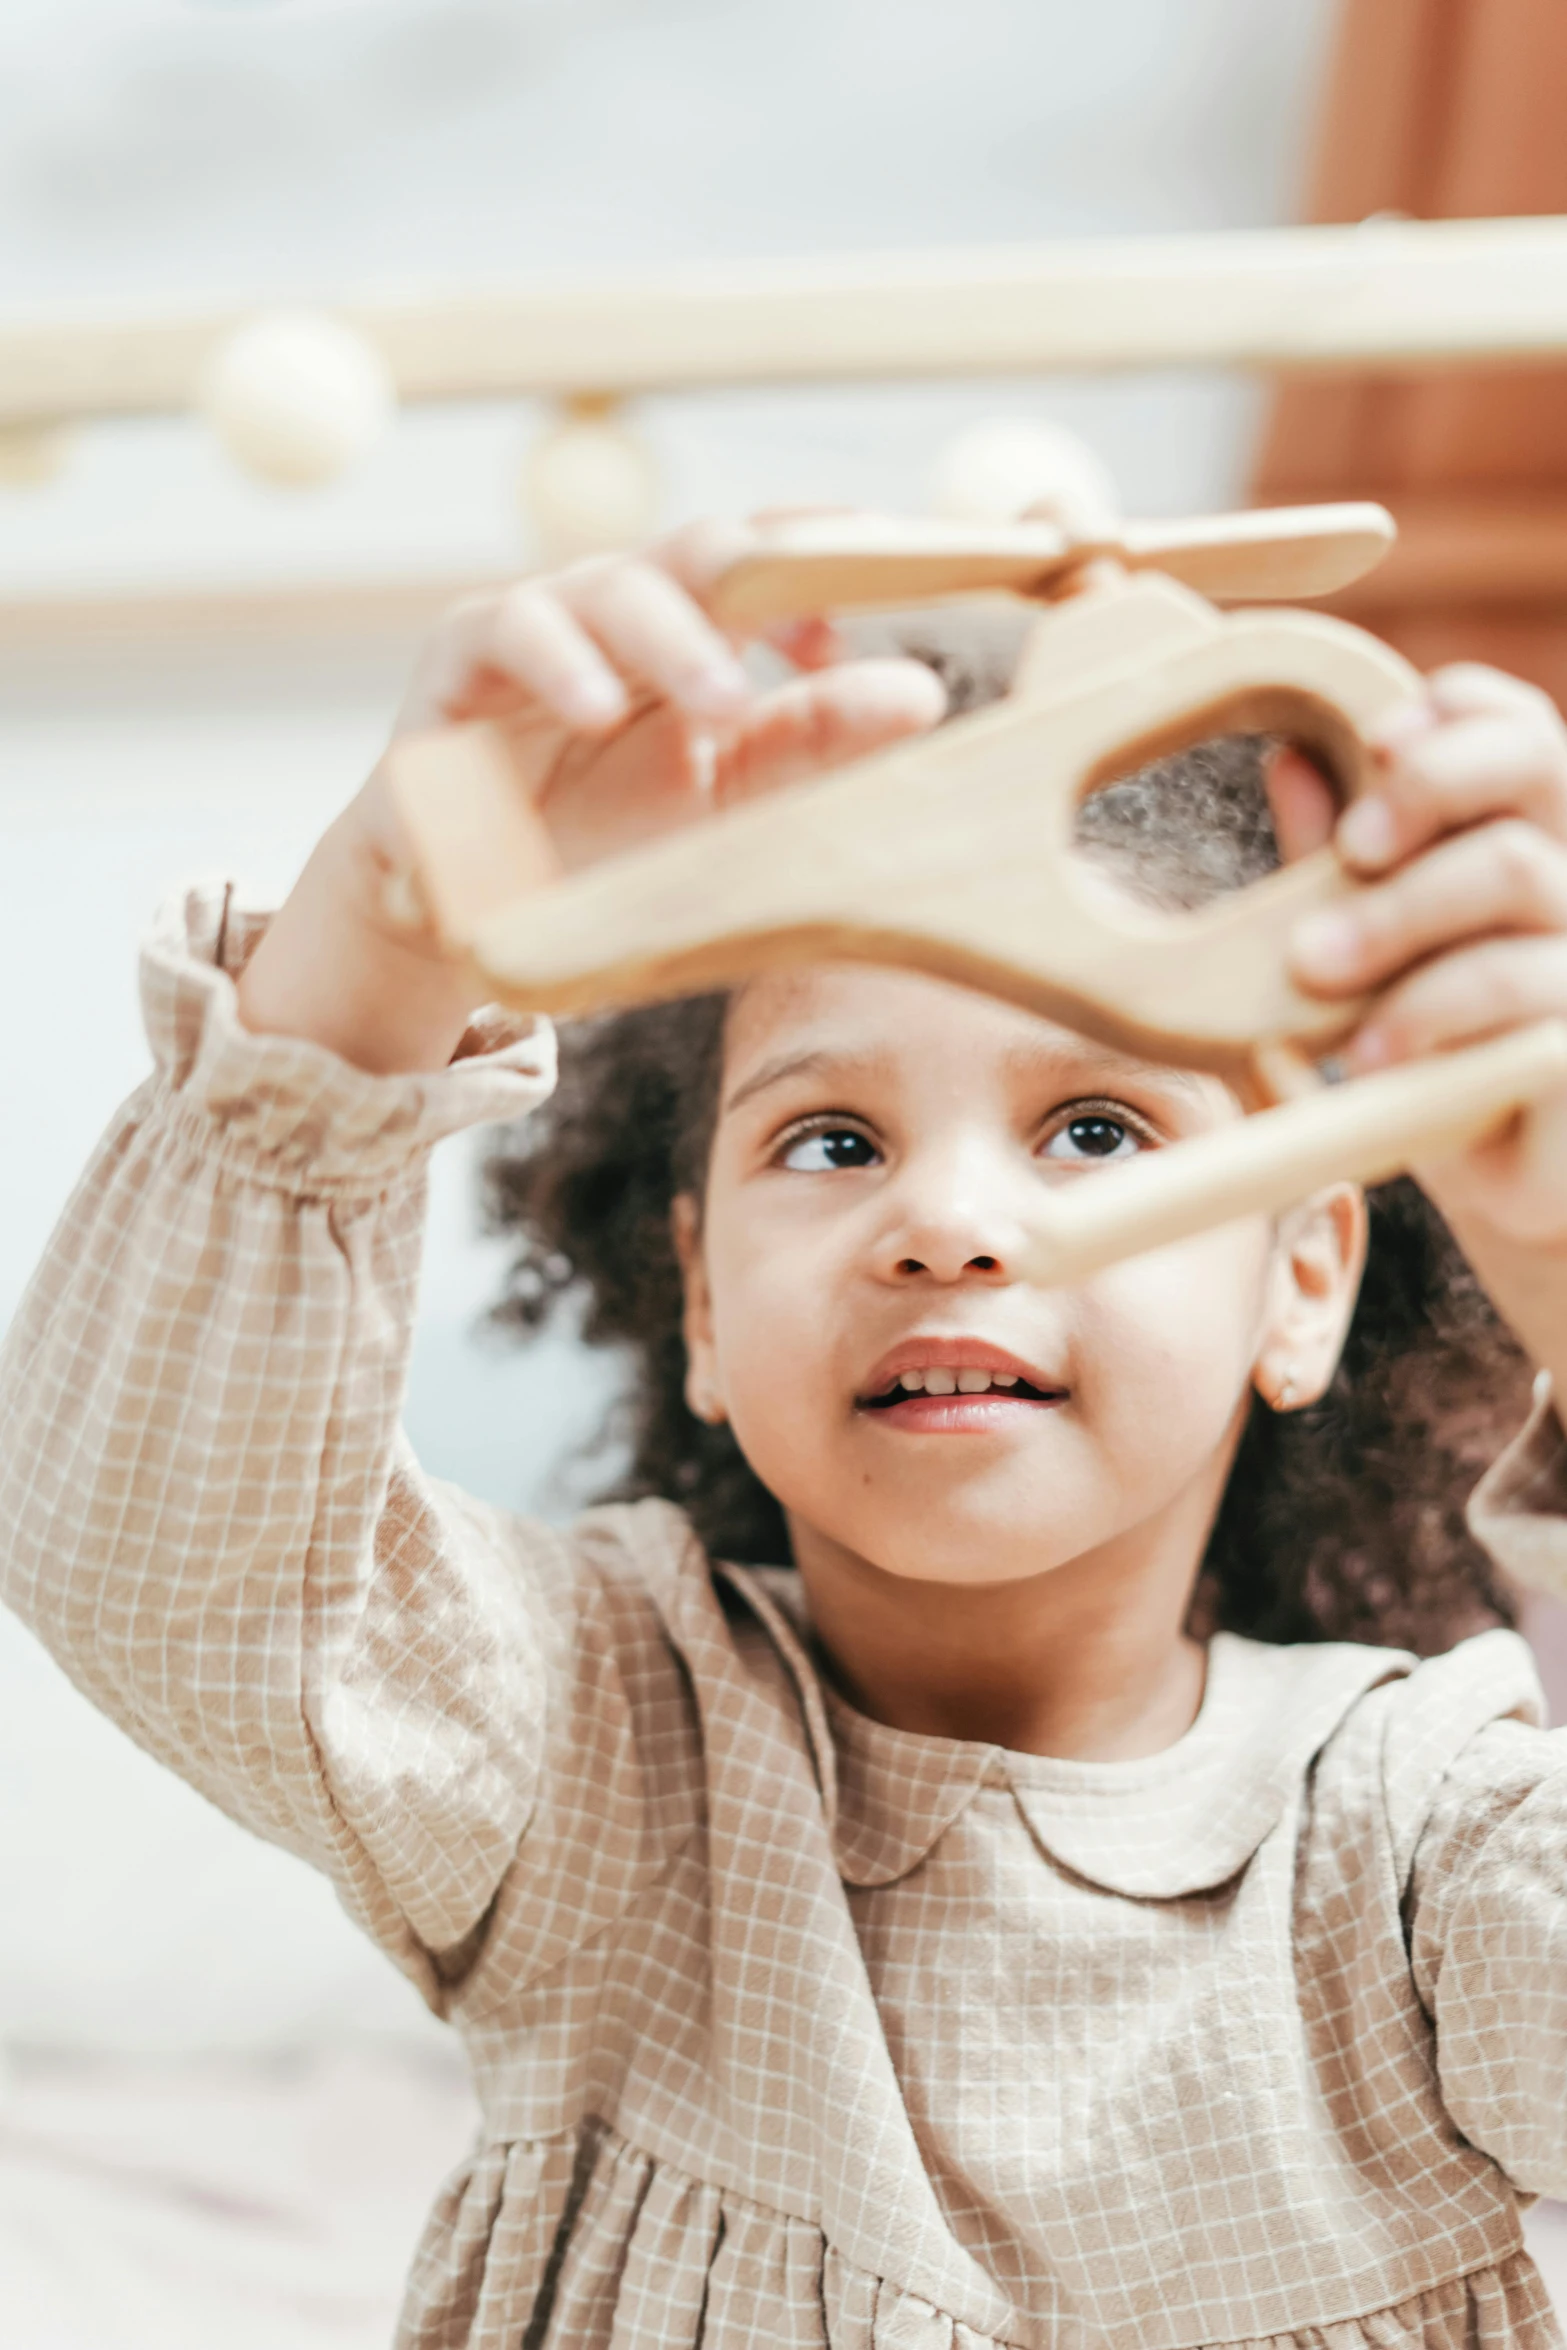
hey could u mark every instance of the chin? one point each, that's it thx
(926, 1544)
(959, 1518)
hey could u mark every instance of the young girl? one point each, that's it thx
(946, 1931)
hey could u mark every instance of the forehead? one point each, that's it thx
(868, 1015)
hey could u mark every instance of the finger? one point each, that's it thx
(1461, 689)
(1459, 772)
(534, 640)
(488, 647)
(698, 554)
(651, 626)
(815, 724)
(446, 662)
(1500, 983)
(1506, 876)
(810, 644)
(1465, 689)
(1301, 801)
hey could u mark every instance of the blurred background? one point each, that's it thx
(222, 2116)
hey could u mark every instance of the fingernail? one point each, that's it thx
(1404, 724)
(1326, 946)
(719, 688)
(1366, 832)
(1368, 1050)
(594, 701)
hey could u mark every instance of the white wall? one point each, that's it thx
(243, 151)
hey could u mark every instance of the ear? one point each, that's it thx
(1314, 1280)
(704, 1393)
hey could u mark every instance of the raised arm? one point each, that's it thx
(205, 1511)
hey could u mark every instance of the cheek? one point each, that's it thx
(1171, 1337)
(772, 1302)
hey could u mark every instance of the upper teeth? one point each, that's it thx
(942, 1382)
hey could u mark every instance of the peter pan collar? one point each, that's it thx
(1169, 1824)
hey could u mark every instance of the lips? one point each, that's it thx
(921, 1372)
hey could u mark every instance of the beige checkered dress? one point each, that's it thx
(788, 2029)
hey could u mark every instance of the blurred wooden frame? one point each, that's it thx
(953, 856)
(1389, 294)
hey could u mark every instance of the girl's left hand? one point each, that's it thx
(1463, 926)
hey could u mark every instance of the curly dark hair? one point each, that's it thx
(1344, 1521)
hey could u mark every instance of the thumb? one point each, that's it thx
(817, 723)
(1301, 801)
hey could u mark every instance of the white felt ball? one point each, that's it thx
(32, 455)
(297, 397)
(996, 471)
(589, 484)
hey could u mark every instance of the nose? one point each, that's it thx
(950, 1216)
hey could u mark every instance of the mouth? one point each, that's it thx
(952, 1384)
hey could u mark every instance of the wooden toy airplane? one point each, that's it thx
(953, 854)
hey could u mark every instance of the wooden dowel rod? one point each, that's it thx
(246, 616)
(1360, 1132)
(1385, 294)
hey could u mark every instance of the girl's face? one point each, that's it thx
(854, 1299)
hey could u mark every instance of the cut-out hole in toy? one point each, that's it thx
(1181, 830)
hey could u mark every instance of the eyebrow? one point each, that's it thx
(1118, 1064)
(820, 1061)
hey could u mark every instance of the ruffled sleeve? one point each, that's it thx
(206, 1512)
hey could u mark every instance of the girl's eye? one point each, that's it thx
(828, 1149)
(1092, 1137)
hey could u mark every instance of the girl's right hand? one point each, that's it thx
(628, 714)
